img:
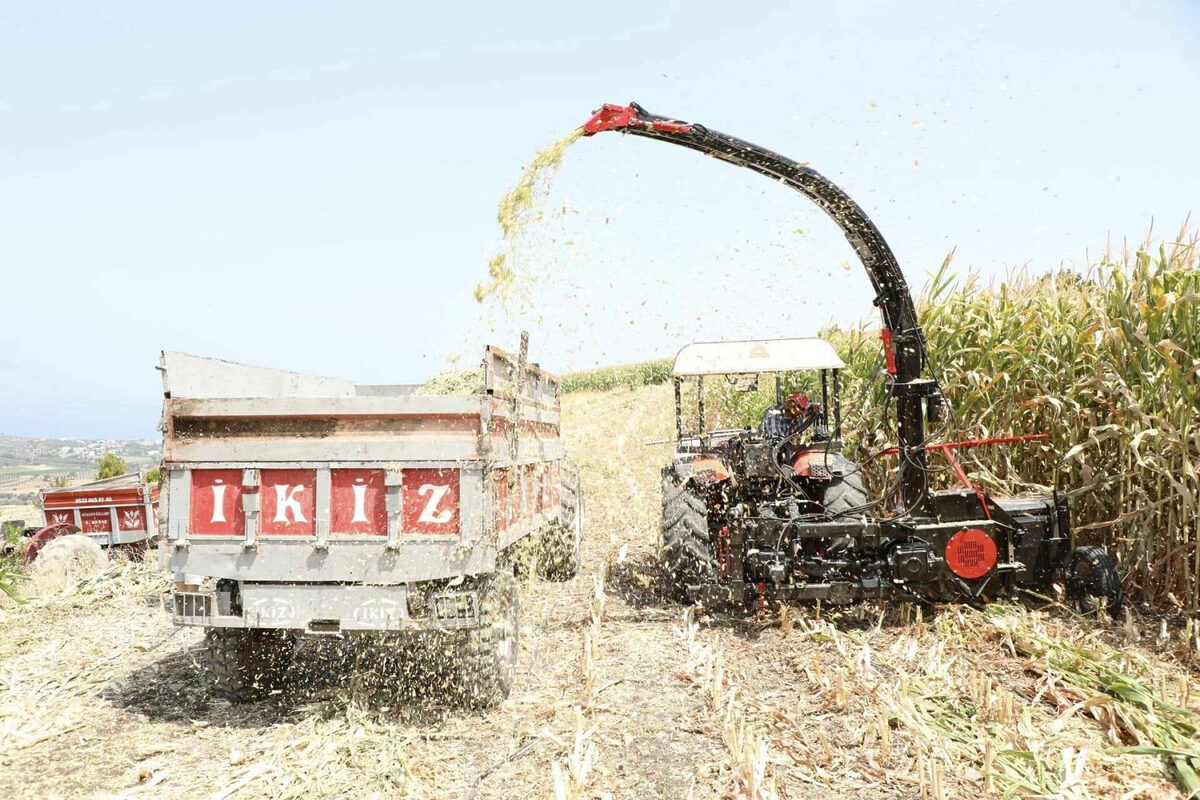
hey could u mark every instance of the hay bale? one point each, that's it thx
(64, 561)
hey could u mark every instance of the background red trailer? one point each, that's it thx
(120, 510)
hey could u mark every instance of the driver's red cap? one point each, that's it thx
(797, 399)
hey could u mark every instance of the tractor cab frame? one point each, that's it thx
(751, 358)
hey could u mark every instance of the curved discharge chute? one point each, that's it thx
(904, 342)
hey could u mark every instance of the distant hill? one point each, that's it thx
(19, 451)
(27, 465)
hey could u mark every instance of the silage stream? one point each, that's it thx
(516, 212)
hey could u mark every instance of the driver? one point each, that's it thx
(789, 420)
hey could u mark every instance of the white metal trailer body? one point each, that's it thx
(320, 506)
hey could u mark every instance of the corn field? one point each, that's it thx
(648, 373)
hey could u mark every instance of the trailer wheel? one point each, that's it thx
(685, 545)
(246, 665)
(487, 657)
(40, 538)
(1094, 581)
(558, 552)
(558, 549)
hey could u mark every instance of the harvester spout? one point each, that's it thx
(904, 342)
(611, 117)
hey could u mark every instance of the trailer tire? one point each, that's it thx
(1093, 580)
(487, 655)
(685, 547)
(558, 552)
(247, 664)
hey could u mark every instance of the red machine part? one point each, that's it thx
(709, 470)
(971, 553)
(965, 480)
(612, 117)
(43, 538)
(805, 460)
(889, 350)
(949, 447)
(1029, 437)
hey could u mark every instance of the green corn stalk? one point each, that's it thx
(11, 570)
(1092, 669)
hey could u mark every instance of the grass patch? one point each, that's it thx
(12, 571)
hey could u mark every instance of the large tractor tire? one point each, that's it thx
(844, 494)
(1094, 582)
(487, 655)
(685, 545)
(63, 561)
(247, 664)
(43, 537)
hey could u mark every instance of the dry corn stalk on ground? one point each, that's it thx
(619, 694)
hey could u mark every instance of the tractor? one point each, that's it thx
(777, 514)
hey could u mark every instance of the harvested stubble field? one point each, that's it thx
(620, 694)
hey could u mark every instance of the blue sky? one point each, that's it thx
(313, 186)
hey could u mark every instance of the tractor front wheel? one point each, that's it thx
(685, 547)
(1094, 582)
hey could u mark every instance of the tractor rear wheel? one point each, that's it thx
(247, 664)
(1094, 582)
(685, 545)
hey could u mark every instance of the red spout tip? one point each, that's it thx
(610, 117)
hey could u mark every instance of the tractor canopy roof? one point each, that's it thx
(762, 355)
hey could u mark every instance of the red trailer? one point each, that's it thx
(120, 510)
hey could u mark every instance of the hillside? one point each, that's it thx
(51, 454)
(29, 464)
(613, 684)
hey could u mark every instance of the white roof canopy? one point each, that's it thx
(766, 355)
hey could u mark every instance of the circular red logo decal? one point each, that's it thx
(971, 553)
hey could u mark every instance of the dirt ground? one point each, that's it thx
(30, 514)
(620, 693)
